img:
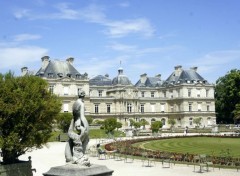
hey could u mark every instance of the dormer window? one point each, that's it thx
(50, 75)
(78, 76)
(69, 75)
(60, 75)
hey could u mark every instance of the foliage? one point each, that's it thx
(197, 121)
(119, 125)
(144, 122)
(27, 114)
(110, 124)
(63, 121)
(171, 122)
(227, 96)
(155, 126)
(89, 119)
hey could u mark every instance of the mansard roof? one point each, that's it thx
(150, 82)
(58, 69)
(180, 76)
(100, 80)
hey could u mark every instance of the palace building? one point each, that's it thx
(183, 96)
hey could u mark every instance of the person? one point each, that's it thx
(78, 133)
(100, 151)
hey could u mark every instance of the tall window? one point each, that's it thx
(51, 89)
(153, 107)
(162, 108)
(65, 107)
(189, 92)
(190, 107)
(96, 108)
(129, 107)
(207, 92)
(190, 121)
(100, 93)
(142, 94)
(65, 90)
(199, 106)
(108, 108)
(152, 94)
(198, 92)
(164, 94)
(171, 94)
(142, 108)
(172, 109)
(208, 107)
(163, 121)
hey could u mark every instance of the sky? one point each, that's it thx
(147, 36)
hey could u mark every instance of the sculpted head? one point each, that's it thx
(81, 93)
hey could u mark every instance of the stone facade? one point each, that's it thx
(183, 96)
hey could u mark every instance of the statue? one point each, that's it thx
(78, 133)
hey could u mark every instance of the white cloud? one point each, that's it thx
(20, 56)
(124, 4)
(94, 14)
(24, 37)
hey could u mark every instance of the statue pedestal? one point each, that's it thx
(78, 170)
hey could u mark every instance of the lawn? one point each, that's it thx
(196, 145)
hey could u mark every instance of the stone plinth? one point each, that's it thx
(78, 170)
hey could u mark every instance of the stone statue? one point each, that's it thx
(78, 133)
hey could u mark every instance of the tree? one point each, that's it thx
(119, 125)
(110, 124)
(227, 96)
(27, 114)
(89, 119)
(63, 121)
(197, 121)
(155, 126)
(144, 123)
(171, 122)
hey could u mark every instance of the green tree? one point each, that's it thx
(89, 119)
(119, 125)
(197, 121)
(227, 96)
(110, 124)
(144, 123)
(27, 114)
(63, 121)
(171, 122)
(155, 126)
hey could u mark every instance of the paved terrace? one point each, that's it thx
(53, 155)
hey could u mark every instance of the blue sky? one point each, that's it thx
(147, 36)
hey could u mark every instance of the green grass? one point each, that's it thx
(196, 145)
(99, 133)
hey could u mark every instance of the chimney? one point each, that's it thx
(143, 78)
(194, 68)
(70, 60)
(45, 61)
(158, 76)
(178, 70)
(24, 71)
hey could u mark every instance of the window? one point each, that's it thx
(129, 107)
(65, 107)
(162, 108)
(207, 92)
(209, 121)
(50, 75)
(190, 107)
(51, 89)
(142, 108)
(152, 94)
(142, 94)
(108, 108)
(96, 108)
(65, 90)
(164, 94)
(189, 92)
(172, 109)
(100, 93)
(208, 107)
(163, 121)
(198, 92)
(171, 94)
(199, 106)
(190, 121)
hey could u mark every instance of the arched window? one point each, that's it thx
(190, 121)
(209, 121)
(163, 121)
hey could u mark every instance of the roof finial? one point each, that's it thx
(120, 63)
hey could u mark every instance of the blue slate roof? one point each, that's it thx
(150, 82)
(100, 80)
